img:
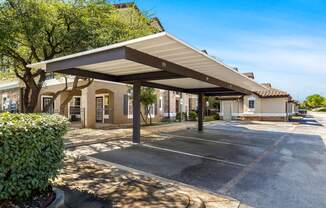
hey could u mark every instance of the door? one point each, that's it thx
(46, 103)
(227, 110)
(99, 109)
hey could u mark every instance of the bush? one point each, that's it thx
(185, 116)
(192, 116)
(217, 116)
(31, 151)
(322, 109)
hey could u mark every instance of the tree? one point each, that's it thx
(148, 99)
(314, 101)
(38, 30)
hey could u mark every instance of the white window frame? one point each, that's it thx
(161, 103)
(42, 103)
(130, 116)
(152, 114)
(254, 100)
(73, 98)
(105, 116)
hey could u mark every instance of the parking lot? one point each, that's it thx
(262, 165)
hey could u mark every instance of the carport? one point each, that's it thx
(159, 61)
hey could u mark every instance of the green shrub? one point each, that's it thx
(192, 116)
(217, 116)
(185, 116)
(322, 109)
(31, 152)
(178, 117)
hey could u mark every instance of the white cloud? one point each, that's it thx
(279, 59)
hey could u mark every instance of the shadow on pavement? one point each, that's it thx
(288, 175)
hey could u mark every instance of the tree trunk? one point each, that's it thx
(32, 88)
(142, 116)
(150, 116)
(65, 102)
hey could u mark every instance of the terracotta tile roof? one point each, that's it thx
(272, 92)
(249, 74)
(269, 85)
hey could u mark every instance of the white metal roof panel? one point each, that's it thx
(169, 48)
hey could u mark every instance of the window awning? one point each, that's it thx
(160, 61)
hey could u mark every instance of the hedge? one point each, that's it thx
(31, 152)
(192, 116)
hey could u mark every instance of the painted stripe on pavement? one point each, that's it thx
(194, 155)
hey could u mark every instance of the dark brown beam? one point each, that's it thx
(136, 112)
(87, 59)
(149, 60)
(224, 94)
(150, 76)
(163, 87)
(200, 112)
(90, 74)
(207, 90)
(169, 112)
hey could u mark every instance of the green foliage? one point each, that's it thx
(217, 116)
(148, 98)
(314, 101)
(192, 116)
(178, 116)
(322, 109)
(31, 151)
(8, 75)
(41, 29)
(38, 30)
(185, 116)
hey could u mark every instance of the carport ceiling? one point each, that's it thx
(159, 61)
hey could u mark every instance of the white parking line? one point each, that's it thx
(194, 155)
(207, 140)
(245, 171)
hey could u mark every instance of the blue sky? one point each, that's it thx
(281, 41)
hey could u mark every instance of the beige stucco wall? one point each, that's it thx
(273, 105)
(258, 104)
(265, 108)
(116, 94)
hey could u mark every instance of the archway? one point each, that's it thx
(104, 105)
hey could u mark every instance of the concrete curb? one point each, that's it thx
(59, 201)
(195, 202)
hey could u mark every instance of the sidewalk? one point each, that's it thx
(130, 190)
(78, 137)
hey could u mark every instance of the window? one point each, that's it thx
(160, 104)
(130, 106)
(77, 102)
(152, 110)
(106, 105)
(251, 104)
(46, 103)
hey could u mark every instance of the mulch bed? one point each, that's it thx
(75, 198)
(39, 200)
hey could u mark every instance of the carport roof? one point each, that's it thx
(159, 60)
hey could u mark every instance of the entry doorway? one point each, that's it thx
(227, 110)
(99, 109)
(47, 107)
